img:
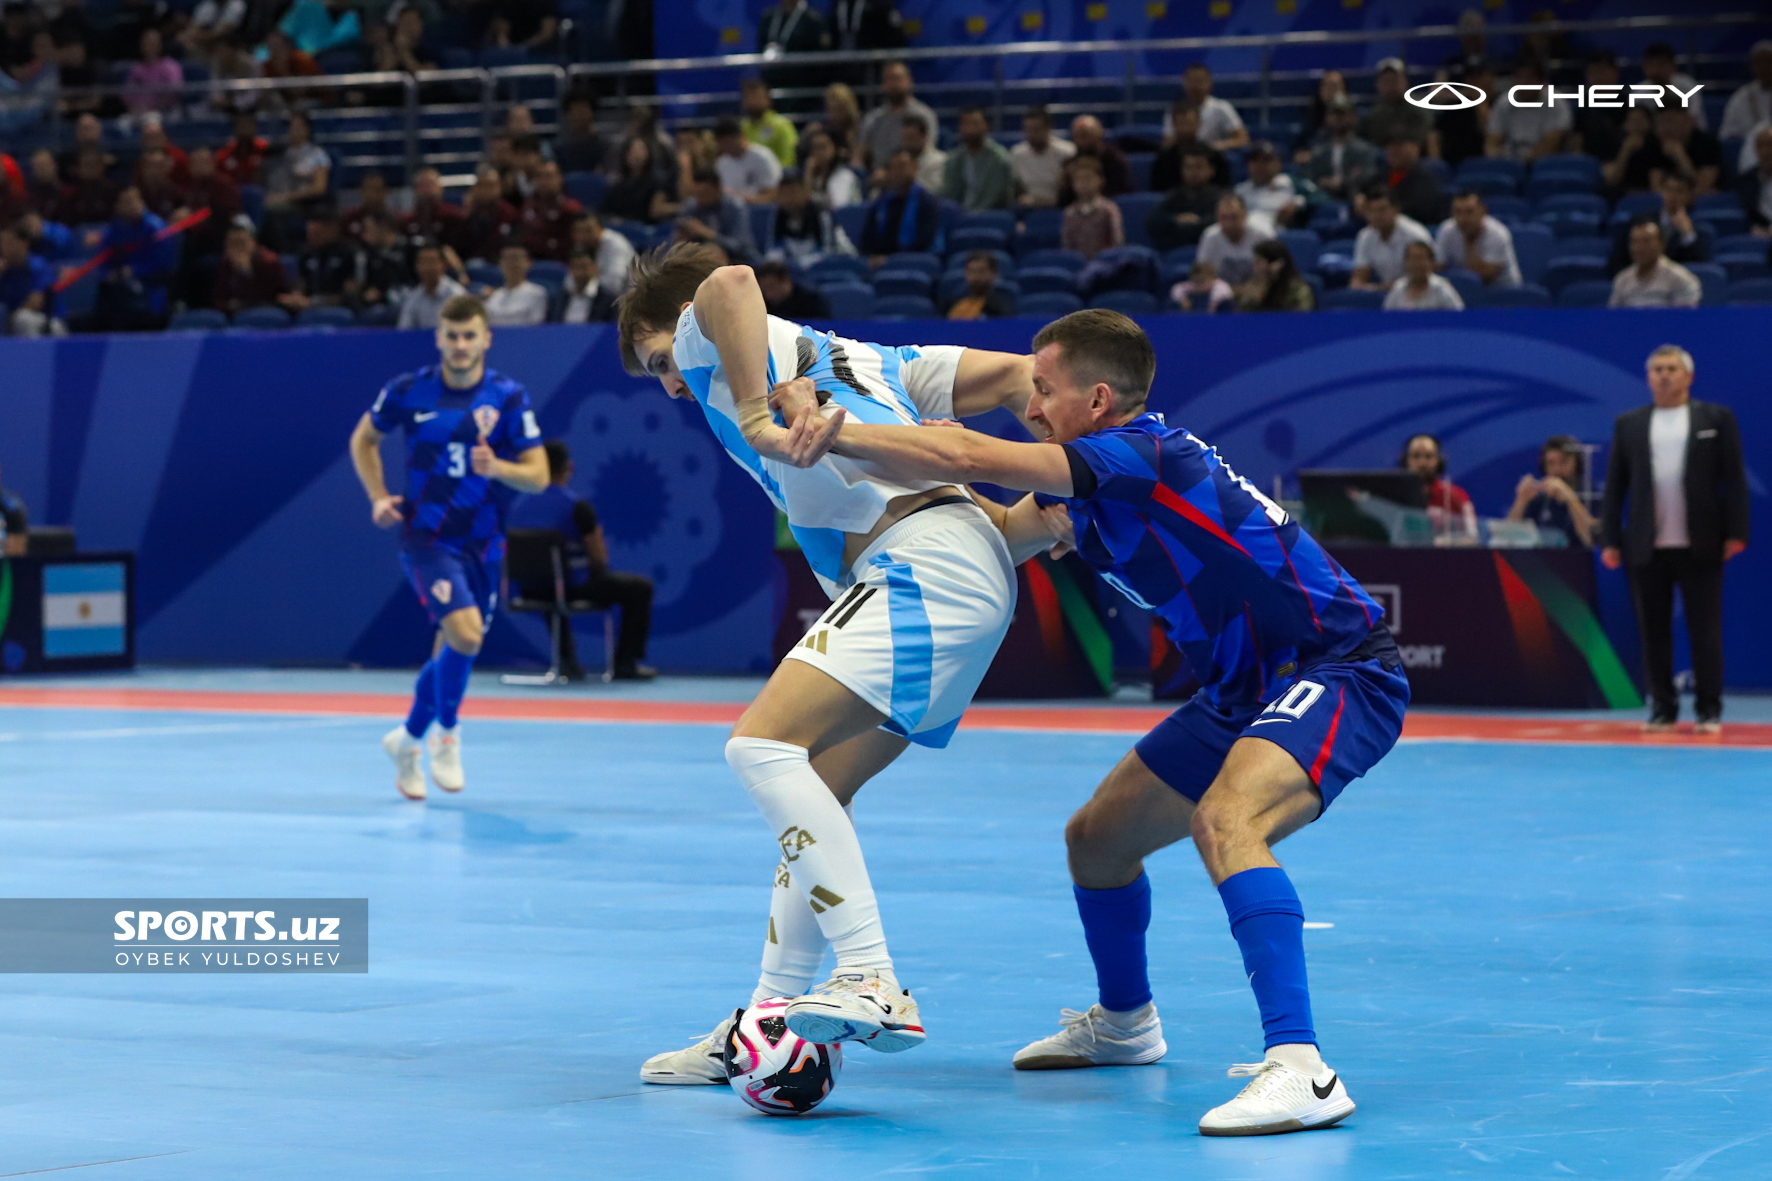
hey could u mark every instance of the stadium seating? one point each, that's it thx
(1743, 243)
(549, 274)
(763, 227)
(1721, 222)
(851, 218)
(1304, 246)
(1038, 279)
(929, 264)
(1048, 258)
(198, 320)
(1468, 284)
(484, 274)
(1526, 295)
(380, 316)
(1743, 266)
(906, 307)
(965, 239)
(262, 318)
(1351, 299)
(1564, 271)
(1510, 210)
(1039, 230)
(836, 267)
(1714, 278)
(1050, 303)
(587, 188)
(326, 317)
(1134, 209)
(1001, 220)
(890, 281)
(1592, 246)
(849, 301)
(1131, 303)
(1585, 293)
(1751, 291)
(1532, 249)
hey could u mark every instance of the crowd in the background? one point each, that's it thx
(1374, 202)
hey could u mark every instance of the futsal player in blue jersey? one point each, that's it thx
(472, 444)
(1302, 690)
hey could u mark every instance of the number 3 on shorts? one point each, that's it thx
(1298, 699)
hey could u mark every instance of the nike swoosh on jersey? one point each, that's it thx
(1263, 721)
(425, 417)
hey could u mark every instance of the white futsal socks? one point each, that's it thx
(795, 946)
(1300, 1056)
(818, 846)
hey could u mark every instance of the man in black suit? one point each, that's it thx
(1678, 462)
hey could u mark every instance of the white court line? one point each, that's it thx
(1318, 926)
(148, 731)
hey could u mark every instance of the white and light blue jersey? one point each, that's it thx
(892, 384)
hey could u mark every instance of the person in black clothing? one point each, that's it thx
(1166, 167)
(329, 268)
(1185, 213)
(17, 522)
(786, 298)
(803, 231)
(578, 147)
(1462, 132)
(1600, 130)
(386, 269)
(1415, 188)
(886, 230)
(981, 298)
(1552, 498)
(638, 193)
(787, 28)
(1683, 239)
(1678, 464)
(866, 24)
(589, 580)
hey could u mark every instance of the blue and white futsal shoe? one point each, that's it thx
(1279, 1099)
(408, 754)
(858, 1006)
(1096, 1037)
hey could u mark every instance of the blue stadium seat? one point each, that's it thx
(1182, 257)
(965, 239)
(266, 317)
(1751, 291)
(1315, 282)
(1140, 167)
(1134, 209)
(1442, 172)
(849, 301)
(1570, 162)
(1005, 262)
(1588, 203)
(252, 203)
(1743, 266)
(929, 264)
(1739, 244)
(991, 219)
(484, 274)
(1587, 246)
(381, 315)
(1532, 248)
(1564, 271)
(908, 307)
(1131, 303)
(1711, 201)
(851, 218)
(1490, 184)
(1587, 293)
(763, 227)
(889, 281)
(1039, 230)
(587, 188)
(1041, 279)
(1715, 280)
(1632, 204)
(1468, 284)
(549, 274)
(1351, 299)
(1304, 245)
(1068, 260)
(1511, 210)
(1050, 303)
(1724, 223)
(1570, 223)
(953, 286)
(494, 56)
(1551, 184)
(198, 320)
(326, 317)
(1139, 137)
(833, 268)
(1490, 166)
(1526, 295)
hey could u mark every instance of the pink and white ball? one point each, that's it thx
(774, 1069)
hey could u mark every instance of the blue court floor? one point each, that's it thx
(1545, 961)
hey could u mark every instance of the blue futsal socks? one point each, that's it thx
(452, 684)
(1114, 923)
(1268, 924)
(424, 701)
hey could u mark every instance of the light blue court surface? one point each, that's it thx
(1546, 961)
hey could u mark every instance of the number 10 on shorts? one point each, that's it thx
(1297, 700)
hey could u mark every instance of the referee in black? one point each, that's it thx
(1676, 509)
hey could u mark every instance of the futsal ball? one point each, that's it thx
(774, 1069)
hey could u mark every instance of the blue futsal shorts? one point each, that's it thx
(1338, 720)
(448, 579)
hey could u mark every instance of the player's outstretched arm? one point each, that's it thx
(366, 458)
(925, 453)
(985, 380)
(730, 312)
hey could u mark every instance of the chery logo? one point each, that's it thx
(1444, 96)
(1456, 96)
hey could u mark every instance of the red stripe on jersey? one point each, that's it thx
(1316, 771)
(1175, 504)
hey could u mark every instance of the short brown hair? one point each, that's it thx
(1099, 345)
(660, 282)
(462, 308)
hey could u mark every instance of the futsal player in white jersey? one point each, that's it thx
(923, 583)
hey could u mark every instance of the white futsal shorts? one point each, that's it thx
(932, 598)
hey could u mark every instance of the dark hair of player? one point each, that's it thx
(1099, 345)
(661, 281)
(462, 308)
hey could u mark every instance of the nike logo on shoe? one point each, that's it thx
(1323, 1092)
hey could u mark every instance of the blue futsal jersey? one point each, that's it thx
(446, 504)
(1248, 596)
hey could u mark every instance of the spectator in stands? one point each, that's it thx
(1550, 499)
(1599, 130)
(1464, 132)
(790, 27)
(546, 219)
(1166, 167)
(1419, 289)
(1090, 140)
(1378, 248)
(1203, 290)
(1750, 107)
(420, 307)
(212, 22)
(47, 238)
(833, 184)
(520, 168)
(932, 162)
(1474, 241)
(89, 135)
(904, 217)
(612, 250)
(153, 82)
(296, 185)
(164, 197)
(249, 275)
(643, 125)
(520, 126)
(519, 302)
(1473, 46)
(589, 580)
(209, 189)
(1338, 161)
(77, 69)
(588, 300)
(1268, 194)
(432, 218)
(1528, 132)
(1655, 146)
(804, 232)
(637, 193)
(1229, 243)
(386, 273)
(882, 132)
(1683, 240)
(1415, 188)
(713, 215)
(329, 268)
(1449, 507)
(747, 171)
(243, 155)
(45, 191)
(1662, 67)
(764, 126)
(1038, 160)
(1220, 125)
(841, 122)
(26, 299)
(1688, 148)
(1755, 187)
(234, 62)
(410, 48)
(1091, 222)
(1188, 209)
(17, 522)
(978, 174)
(866, 24)
(284, 60)
(1276, 285)
(151, 136)
(318, 25)
(982, 299)
(32, 88)
(93, 195)
(372, 201)
(786, 298)
(578, 147)
(1331, 86)
(1390, 116)
(1652, 280)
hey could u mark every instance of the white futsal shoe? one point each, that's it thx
(702, 1064)
(1096, 1038)
(1279, 1099)
(408, 754)
(858, 1006)
(446, 758)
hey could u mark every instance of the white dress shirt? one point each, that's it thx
(1668, 430)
